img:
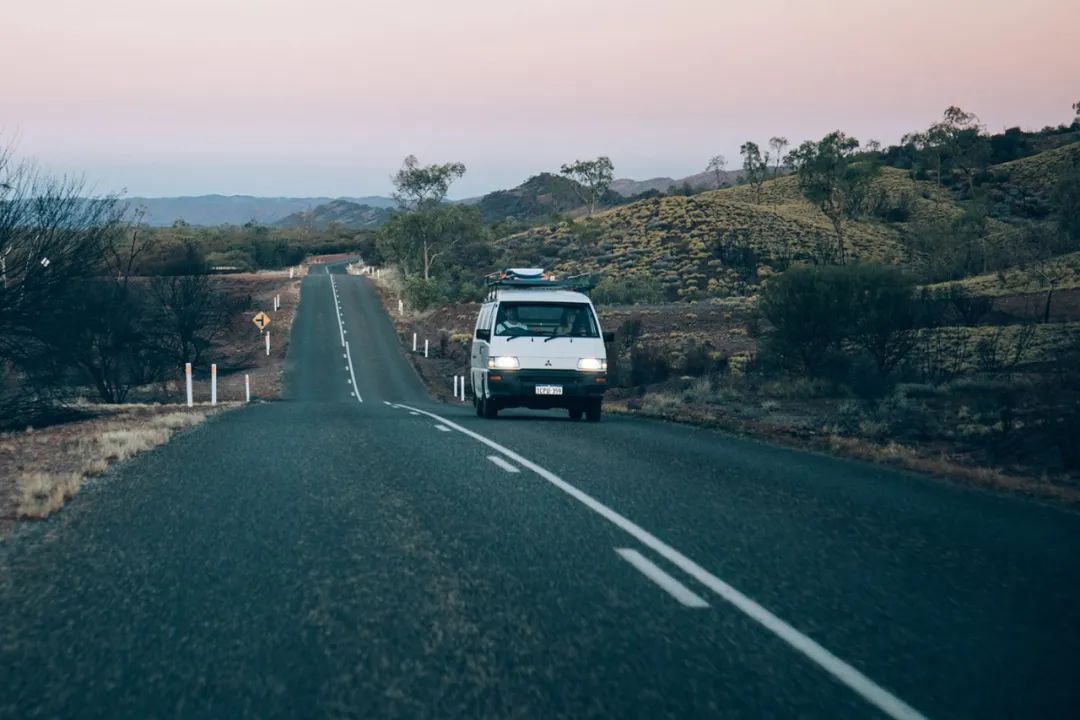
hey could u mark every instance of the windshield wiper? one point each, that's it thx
(556, 335)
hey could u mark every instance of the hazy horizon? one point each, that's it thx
(324, 98)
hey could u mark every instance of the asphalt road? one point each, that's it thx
(382, 555)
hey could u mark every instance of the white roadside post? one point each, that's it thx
(291, 271)
(455, 387)
(414, 342)
(400, 308)
(462, 388)
(267, 343)
(425, 347)
(187, 373)
(247, 388)
(213, 383)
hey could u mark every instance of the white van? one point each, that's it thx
(538, 344)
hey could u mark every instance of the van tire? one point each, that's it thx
(489, 408)
(592, 411)
(575, 413)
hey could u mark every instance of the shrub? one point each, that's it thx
(422, 294)
(814, 310)
(628, 290)
(648, 365)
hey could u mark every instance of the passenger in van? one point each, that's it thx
(571, 323)
(508, 321)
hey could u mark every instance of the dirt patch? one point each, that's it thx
(41, 468)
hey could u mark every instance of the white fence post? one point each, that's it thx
(425, 347)
(247, 388)
(187, 373)
(267, 343)
(213, 383)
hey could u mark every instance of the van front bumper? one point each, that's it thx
(518, 387)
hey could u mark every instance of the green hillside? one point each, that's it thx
(542, 196)
(722, 242)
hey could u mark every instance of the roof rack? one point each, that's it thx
(538, 279)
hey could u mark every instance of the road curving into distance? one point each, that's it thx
(360, 550)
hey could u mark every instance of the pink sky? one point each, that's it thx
(325, 97)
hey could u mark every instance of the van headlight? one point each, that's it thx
(503, 362)
(592, 365)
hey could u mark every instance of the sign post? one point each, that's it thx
(187, 373)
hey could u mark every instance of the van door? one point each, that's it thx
(480, 348)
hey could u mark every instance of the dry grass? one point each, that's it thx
(41, 469)
(1028, 278)
(40, 494)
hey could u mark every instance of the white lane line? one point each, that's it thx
(352, 375)
(847, 674)
(414, 413)
(443, 428)
(386, 402)
(670, 585)
(502, 463)
(340, 327)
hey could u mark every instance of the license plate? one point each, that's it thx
(549, 389)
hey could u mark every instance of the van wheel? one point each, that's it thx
(489, 408)
(575, 413)
(592, 411)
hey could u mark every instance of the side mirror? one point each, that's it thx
(609, 336)
(484, 335)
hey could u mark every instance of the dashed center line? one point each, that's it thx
(502, 463)
(442, 427)
(668, 584)
(813, 651)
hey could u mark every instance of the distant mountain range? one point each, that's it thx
(707, 180)
(234, 209)
(540, 196)
(342, 212)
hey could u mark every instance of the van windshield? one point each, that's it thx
(545, 319)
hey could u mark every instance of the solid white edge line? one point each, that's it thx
(668, 584)
(348, 353)
(847, 674)
(502, 463)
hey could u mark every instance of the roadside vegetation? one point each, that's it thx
(917, 304)
(99, 315)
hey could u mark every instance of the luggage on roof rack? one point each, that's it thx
(537, 278)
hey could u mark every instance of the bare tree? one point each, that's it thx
(190, 315)
(778, 144)
(716, 165)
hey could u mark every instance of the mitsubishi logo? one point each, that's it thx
(547, 364)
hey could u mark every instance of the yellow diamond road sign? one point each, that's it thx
(261, 320)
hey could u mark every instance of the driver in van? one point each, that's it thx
(509, 322)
